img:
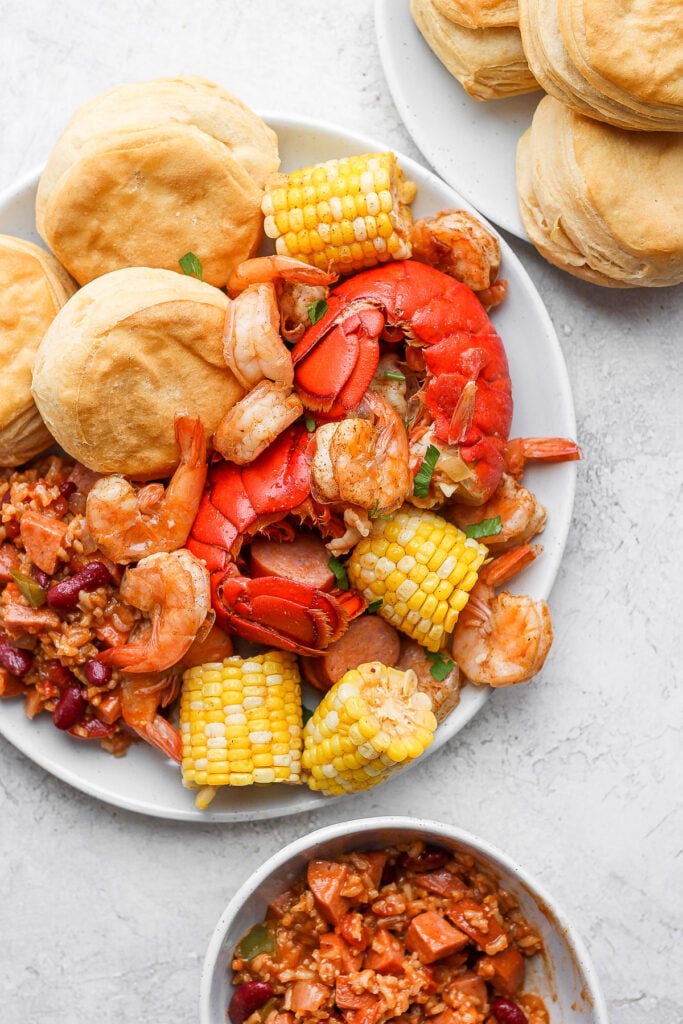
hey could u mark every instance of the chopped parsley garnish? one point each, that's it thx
(339, 570)
(191, 265)
(484, 528)
(441, 665)
(316, 310)
(394, 375)
(425, 472)
(374, 606)
(309, 423)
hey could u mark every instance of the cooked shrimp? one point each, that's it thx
(391, 383)
(252, 346)
(272, 269)
(458, 244)
(521, 515)
(502, 639)
(141, 697)
(173, 588)
(363, 459)
(296, 285)
(520, 450)
(129, 524)
(248, 428)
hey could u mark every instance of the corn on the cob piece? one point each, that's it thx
(421, 567)
(343, 215)
(241, 722)
(373, 721)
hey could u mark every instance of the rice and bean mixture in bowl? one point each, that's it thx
(413, 934)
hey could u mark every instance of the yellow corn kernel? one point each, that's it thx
(370, 723)
(423, 569)
(366, 195)
(241, 723)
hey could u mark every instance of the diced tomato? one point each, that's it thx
(354, 931)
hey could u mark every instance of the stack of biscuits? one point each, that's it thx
(600, 170)
(479, 43)
(151, 186)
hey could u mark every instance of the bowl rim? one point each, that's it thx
(362, 826)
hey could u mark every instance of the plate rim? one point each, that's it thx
(478, 696)
(382, 19)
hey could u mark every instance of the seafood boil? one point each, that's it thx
(345, 520)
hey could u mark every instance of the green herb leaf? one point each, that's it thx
(191, 265)
(339, 570)
(306, 714)
(441, 665)
(32, 591)
(374, 606)
(316, 310)
(484, 528)
(425, 472)
(394, 375)
(309, 423)
(373, 511)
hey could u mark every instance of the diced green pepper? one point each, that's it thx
(32, 591)
(258, 940)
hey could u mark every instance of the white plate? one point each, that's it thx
(471, 144)
(143, 780)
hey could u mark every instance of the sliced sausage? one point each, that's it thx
(386, 954)
(326, 880)
(504, 971)
(431, 937)
(304, 559)
(445, 694)
(476, 920)
(368, 638)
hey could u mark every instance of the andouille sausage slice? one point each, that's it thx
(368, 638)
(304, 559)
(445, 693)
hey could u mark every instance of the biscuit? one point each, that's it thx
(33, 288)
(148, 172)
(602, 203)
(127, 353)
(489, 63)
(562, 72)
(479, 13)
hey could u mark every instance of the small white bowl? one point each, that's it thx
(564, 977)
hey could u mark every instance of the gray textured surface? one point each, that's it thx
(105, 915)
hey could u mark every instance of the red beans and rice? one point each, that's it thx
(413, 933)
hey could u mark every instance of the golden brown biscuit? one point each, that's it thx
(147, 172)
(125, 354)
(33, 288)
(479, 13)
(489, 63)
(545, 44)
(631, 51)
(603, 203)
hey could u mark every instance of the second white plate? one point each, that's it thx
(471, 144)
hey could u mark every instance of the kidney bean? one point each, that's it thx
(431, 858)
(14, 659)
(97, 673)
(41, 578)
(70, 708)
(63, 596)
(247, 998)
(67, 488)
(507, 1012)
